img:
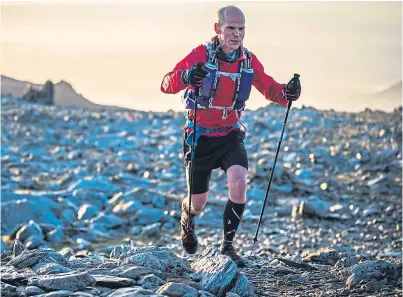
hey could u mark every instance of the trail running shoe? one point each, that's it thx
(189, 238)
(231, 252)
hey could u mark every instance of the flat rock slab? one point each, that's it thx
(60, 293)
(31, 257)
(81, 294)
(369, 270)
(32, 290)
(135, 291)
(50, 268)
(135, 272)
(159, 258)
(13, 277)
(27, 258)
(113, 282)
(326, 256)
(64, 281)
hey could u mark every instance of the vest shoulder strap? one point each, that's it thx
(209, 51)
(247, 62)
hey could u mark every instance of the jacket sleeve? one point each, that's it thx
(172, 82)
(265, 84)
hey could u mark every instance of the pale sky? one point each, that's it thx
(117, 53)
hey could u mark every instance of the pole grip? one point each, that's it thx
(199, 66)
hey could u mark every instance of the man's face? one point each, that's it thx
(231, 32)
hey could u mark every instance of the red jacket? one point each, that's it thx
(212, 118)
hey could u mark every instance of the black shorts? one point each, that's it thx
(215, 152)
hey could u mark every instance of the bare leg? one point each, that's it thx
(237, 183)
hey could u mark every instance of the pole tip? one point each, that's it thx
(254, 240)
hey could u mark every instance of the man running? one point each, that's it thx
(225, 83)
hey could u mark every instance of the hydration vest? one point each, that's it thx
(243, 85)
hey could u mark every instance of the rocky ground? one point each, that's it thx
(90, 205)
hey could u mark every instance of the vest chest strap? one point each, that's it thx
(200, 130)
(232, 75)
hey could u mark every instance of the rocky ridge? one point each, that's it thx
(94, 181)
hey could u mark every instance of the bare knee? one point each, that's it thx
(237, 183)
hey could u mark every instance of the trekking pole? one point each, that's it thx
(293, 83)
(192, 158)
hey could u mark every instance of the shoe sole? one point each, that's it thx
(190, 250)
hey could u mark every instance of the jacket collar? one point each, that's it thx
(223, 56)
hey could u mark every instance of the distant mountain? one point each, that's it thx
(391, 94)
(13, 87)
(386, 100)
(64, 94)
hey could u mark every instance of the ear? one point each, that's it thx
(217, 28)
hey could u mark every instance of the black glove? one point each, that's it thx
(194, 75)
(292, 90)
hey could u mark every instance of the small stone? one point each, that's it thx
(87, 211)
(83, 244)
(177, 290)
(116, 252)
(32, 290)
(18, 248)
(135, 272)
(26, 231)
(372, 286)
(34, 242)
(55, 236)
(148, 215)
(151, 230)
(150, 281)
(206, 294)
(113, 282)
(136, 230)
(345, 291)
(67, 252)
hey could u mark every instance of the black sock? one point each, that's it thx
(232, 217)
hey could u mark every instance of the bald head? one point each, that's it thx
(229, 11)
(230, 28)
